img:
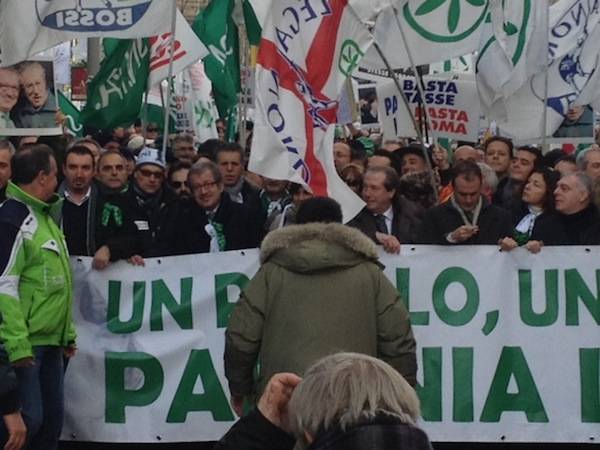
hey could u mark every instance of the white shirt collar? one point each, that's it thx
(82, 201)
(389, 215)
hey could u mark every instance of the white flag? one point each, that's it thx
(301, 70)
(200, 105)
(512, 50)
(434, 30)
(573, 73)
(28, 27)
(188, 50)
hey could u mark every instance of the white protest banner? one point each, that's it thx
(452, 107)
(301, 68)
(188, 50)
(434, 31)
(508, 347)
(29, 101)
(28, 27)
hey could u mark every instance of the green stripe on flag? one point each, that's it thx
(116, 92)
(215, 27)
(253, 28)
(72, 115)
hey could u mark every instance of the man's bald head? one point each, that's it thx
(466, 153)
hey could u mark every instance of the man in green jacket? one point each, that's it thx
(320, 290)
(36, 293)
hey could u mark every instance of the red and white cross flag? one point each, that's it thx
(188, 50)
(307, 51)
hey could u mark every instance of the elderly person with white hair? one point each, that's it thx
(333, 407)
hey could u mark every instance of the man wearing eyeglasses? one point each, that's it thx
(211, 221)
(150, 204)
(9, 94)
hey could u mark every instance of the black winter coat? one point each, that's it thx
(548, 228)
(254, 432)
(405, 225)
(189, 236)
(494, 224)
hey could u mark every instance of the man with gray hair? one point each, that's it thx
(183, 148)
(581, 220)
(345, 401)
(588, 162)
(40, 108)
(6, 152)
(9, 94)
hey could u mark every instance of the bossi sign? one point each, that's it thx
(91, 15)
(452, 107)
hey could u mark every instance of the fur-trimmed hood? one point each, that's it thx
(317, 246)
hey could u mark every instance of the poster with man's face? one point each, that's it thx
(578, 126)
(28, 100)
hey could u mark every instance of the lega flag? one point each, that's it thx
(512, 50)
(573, 74)
(188, 50)
(302, 66)
(435, 30)
(28, 27)
(115, 94)
(192, 106)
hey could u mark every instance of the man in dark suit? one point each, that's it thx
(211, 221)
(467, 218)
(387, 219)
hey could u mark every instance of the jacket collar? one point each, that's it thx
(13, 191)
(343, 235)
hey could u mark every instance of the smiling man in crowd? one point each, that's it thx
(9, 94)
(39, 111)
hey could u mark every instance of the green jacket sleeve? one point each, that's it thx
(395, 340)
(13, 330)
(244, 335)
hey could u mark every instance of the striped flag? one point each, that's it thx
(300, 72)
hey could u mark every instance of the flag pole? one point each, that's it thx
(170, 75)
(145, 115)
(423, 109)
(418, 78)
(545, 115)
(400, 90)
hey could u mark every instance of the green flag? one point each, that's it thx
(116, 92)
(72, 115)
(253, 27)
(215, 27)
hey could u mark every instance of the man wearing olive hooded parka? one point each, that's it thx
(320, 290)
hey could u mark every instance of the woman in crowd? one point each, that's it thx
(333, 408)
(288, 215)
(537, 223)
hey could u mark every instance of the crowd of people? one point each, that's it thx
(130, 203)
(115, 196)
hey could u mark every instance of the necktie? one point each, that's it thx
(380, 224)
